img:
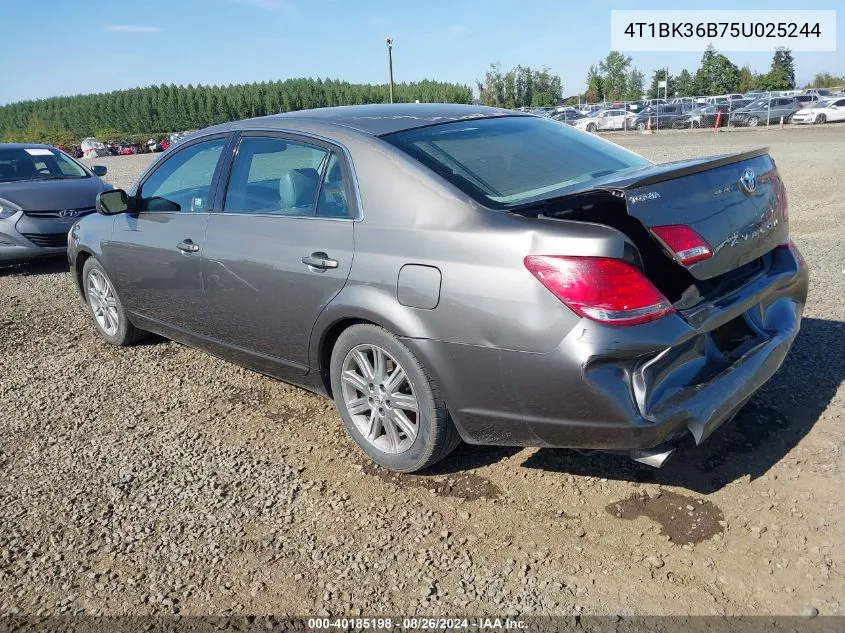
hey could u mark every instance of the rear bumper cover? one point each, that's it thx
(622, 389)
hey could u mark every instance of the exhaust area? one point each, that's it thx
(655, 457)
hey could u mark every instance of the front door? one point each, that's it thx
(155, 252)
(280, 250)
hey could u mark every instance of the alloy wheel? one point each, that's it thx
(103, 302)
(380, 399)
(821, 119)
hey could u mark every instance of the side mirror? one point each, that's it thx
(99, 170)
(112, 202)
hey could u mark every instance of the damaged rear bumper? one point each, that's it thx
(627, 389)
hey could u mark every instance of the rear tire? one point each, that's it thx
(110, 319)
(390, 405)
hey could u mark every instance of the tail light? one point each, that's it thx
(600, 288)
(686, 244)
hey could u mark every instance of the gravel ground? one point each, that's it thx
(158, 479)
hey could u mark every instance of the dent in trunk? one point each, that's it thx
(740, 222)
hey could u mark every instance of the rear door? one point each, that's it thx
(280, 249)
(155, 253)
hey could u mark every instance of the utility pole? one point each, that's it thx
(389, 42)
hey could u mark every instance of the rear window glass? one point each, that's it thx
(507, 161)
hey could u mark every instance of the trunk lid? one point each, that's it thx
(736, 202)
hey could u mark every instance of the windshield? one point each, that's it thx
(822, 104)
(507, 161)
(37, 163)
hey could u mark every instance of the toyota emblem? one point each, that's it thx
(748, 180)
(67, 213)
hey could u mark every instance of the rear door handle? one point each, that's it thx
(187, 246)
(319, 260)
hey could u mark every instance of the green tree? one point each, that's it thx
(746, 80)
(634, 83)
(784, 63)
(826, 80)
(716, 75)
(684, 84)
(655, 91)
(595, 85)
(614, 71)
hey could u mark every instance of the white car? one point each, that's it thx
(605, 120)
(821, 112)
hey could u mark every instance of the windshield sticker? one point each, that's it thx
(38, 151)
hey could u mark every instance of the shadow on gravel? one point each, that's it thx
(761, 434)
(46, 266)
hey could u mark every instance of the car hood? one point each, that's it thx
(52, 195)
(807, 111)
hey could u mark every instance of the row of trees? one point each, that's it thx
(826, 80)
(521, 86)
(169, 108)
(614, 79)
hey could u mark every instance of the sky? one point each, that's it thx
(63, 47)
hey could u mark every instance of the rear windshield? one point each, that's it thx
(37, 163)
(507, 161)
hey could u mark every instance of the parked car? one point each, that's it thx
(806, 101)
(704, 116)
(639, 106)
(447, 272)
(569, 117)
(659, 117)
(821, 112)
(605, 120)
(819, 92)
(765, 111)
(42, 193)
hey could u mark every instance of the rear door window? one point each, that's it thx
(275, 176)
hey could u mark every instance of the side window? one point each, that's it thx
(274, 176)
(183, 182)
(333, 202)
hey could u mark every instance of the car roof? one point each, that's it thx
(374, 119)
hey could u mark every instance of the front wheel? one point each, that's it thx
(109, 316)
(753, 121)
(388, 402)
(640, 126)
(821, 118)
(591, 127)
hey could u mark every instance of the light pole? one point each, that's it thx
(390, 64)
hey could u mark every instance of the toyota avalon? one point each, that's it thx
(450, 273)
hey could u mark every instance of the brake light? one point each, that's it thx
(600, 288)
(685, 243)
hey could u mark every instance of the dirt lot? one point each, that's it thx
(158, 479)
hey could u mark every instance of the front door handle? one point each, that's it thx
(319, 260)
(187, 246)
